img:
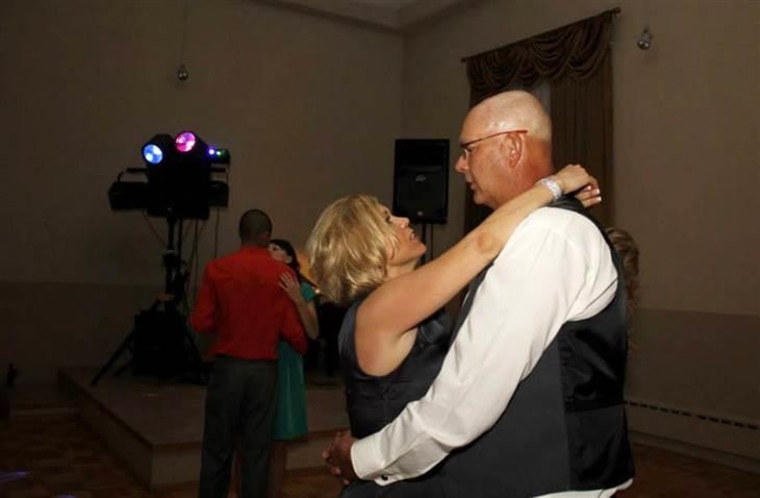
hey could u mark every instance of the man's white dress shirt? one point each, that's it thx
(555, 268)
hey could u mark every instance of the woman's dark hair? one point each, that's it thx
(290, 251)
(626, 247)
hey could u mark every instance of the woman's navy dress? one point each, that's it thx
(372, 402)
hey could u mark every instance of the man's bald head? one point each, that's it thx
(255, 228)
(506, 142)
(513, 110)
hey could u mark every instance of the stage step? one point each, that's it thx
(155, 426)
(37, 399)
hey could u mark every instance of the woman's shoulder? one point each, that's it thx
(308, 291)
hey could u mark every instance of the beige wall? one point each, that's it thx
(687, 166)
(686, 130)
(309, 108)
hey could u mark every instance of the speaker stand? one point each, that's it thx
(425, 241)
(168, 303)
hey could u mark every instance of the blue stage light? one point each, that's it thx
(219, 156)
(158, 149)
(153, 154)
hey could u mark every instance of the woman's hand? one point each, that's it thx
(291, 286)
(307, 311)
(589, 196)
(574, 177)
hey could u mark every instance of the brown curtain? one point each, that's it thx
(576, 61)
(581, 112)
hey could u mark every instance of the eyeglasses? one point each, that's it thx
(467, 146)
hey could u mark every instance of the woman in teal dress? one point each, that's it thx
(290, 411)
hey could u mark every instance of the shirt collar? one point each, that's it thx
(254, 249)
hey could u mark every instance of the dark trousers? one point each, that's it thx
(239, 408)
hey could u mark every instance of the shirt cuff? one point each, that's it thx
(365, 457)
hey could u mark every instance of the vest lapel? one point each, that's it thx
(467, 304)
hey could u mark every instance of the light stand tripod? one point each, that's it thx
(160, 341)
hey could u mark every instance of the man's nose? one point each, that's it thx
(461, 165)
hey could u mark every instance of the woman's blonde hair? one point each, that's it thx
(349, 248)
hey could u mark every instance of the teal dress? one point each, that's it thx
(290, 408)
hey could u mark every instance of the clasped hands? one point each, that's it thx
(338, 457)
(575, 180)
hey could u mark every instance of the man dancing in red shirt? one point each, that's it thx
(240, 300)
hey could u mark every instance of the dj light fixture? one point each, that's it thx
(182, 176)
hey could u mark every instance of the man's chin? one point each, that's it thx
(481, 201)
(478, 199)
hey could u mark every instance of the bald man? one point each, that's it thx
(529, 401)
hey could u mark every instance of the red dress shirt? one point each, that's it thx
(240, 299)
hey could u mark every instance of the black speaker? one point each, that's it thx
(159, 344)
(421, 179)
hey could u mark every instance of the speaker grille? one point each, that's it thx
(421, 180)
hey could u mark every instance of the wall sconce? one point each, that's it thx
(645, 40)
(182, 73)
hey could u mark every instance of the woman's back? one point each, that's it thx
(373, 401)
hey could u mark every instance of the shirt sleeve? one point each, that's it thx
(556, 267)
(203, 317)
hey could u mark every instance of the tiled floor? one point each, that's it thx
(51, 453)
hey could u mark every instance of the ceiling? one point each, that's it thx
(393, 15)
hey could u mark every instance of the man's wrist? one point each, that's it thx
(365, 459)
(361, 453)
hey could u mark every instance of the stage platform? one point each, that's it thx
(155, 426)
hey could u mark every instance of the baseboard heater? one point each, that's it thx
(690, 414)
(725, 440)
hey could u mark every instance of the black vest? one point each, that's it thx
(564, 428)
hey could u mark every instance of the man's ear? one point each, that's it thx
(513, 145)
